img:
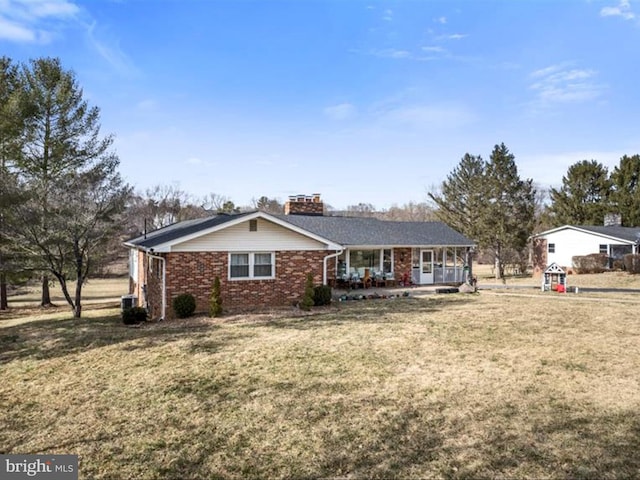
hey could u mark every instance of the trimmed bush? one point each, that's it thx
(134, 315)
(593, 263)
(322, 295)
(184, 305)
(307, 299)
(215, 303)
(632, 263)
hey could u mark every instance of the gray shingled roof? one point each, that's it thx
(371, 231)
(181, 229)
(342, 230)
(631, 234)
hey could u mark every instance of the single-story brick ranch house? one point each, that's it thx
(560, 245)
(262, 260)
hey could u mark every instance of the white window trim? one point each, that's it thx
(252, 265)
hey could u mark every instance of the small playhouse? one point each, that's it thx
(554, 278)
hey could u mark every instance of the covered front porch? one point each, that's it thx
(364, 267)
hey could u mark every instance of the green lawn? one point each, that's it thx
(490, 385)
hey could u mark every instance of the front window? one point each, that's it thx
(251, 265)
(604, 249)
(552, 248)
(262, 265)
(239, 267)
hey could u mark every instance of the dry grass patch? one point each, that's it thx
(476, 386)
(95, 291)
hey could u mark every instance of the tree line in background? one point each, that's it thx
(490, 203)
(64, 208)
(485, 200)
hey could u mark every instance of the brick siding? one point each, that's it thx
(539, 259)
(194, 273)
(402, 263)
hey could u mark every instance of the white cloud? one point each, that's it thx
(341, 111)
(623, 9)
(194, 161)
(388, 15)
(146, 105)
(34, 21)
(442, 20)
(110, 51)
(427, 115)
(52, 8)
(451, 36)
(434, 49)
(563, 84)
(15, 32)
(392, 53)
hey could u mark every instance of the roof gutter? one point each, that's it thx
(164, 282)
(324, 264)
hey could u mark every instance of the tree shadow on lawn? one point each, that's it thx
(400, 440)
(51, 338)
(413, 443)
(579, 445)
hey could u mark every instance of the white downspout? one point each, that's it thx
(324, 264)
(164, 284)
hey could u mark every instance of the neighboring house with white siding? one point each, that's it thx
(263, 260)
(560, 245)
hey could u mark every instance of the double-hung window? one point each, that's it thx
(262, 265)
(239, 265)
(258, 265)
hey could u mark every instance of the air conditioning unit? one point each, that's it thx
(129, 301)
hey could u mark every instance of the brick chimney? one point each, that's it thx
(304, 205)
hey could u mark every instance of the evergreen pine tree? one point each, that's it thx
(462, 196)
(584, 197)
(625, 194)
(508, 216)
(215, 303)
(307, 298)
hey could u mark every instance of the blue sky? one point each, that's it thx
(360, 101)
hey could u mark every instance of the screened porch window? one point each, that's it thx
(377, 260)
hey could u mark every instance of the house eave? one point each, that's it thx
(166, 247)
(583, 230)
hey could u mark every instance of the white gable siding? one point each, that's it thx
(238, 238)
(570, 243)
